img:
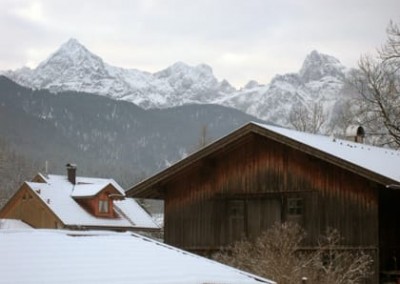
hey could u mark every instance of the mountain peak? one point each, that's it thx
(182, 69)
(71, 58)
(251, 84)
(316, 56)
(318, 65)
(73, 50)
(72, 43)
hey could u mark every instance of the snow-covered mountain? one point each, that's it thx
(319, 81)
(74, 68)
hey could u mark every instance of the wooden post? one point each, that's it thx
(304, 280)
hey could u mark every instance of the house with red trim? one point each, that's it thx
(77, 203)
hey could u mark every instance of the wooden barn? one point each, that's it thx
(243, 183)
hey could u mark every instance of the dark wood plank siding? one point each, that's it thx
(263, 175)
(257, 177)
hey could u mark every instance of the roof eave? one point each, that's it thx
(110, 228)
(152, 187)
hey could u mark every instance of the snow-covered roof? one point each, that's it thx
(57, 256)
(85, 186)
(132, 211)
(58, 194)
(382, 161)
(12, 224)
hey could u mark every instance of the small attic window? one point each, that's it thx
(103, 206)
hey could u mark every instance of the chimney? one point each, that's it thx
(355, 133)
(71, 170)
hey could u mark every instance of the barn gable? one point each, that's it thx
(378, 164)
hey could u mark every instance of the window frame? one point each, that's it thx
(295, 206)
(103, 206)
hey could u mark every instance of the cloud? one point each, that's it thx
(33, 11)
(241, 40)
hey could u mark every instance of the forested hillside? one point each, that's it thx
(105, 137)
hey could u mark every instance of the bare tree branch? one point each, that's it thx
(277, 254)
(378, 83)
(307, 120)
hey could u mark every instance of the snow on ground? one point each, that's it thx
(56, 256)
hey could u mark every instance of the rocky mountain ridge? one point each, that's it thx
(319, 81)
(74, 68)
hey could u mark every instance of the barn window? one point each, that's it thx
(103, 206)
(295, 206)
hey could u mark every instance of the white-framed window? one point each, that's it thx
(103, 206)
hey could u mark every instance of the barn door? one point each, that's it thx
(249, 218)
(262, 214)
(236, 220)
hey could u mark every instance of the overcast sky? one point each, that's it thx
(240, 39)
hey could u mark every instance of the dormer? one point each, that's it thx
(101, 203)
(95, 196)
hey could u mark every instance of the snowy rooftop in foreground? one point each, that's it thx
(383, 161)
(55, 256)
